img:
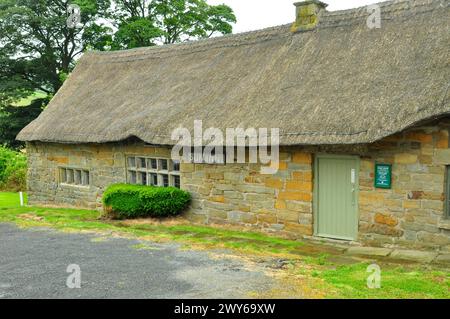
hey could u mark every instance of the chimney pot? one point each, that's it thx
(307, 15)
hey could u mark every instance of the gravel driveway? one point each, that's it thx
(33, 264)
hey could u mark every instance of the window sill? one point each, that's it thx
(75, 186)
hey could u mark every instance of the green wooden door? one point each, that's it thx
(336, 200)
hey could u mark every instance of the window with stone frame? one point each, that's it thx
(153, 171)
(447, 191)
(74, 176)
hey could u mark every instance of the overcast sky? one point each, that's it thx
(259, 14)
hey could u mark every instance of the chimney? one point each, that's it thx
(307, 15)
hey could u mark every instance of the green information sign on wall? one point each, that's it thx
(383, 176)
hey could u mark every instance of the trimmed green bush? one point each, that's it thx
(123, 201)
(13, 170)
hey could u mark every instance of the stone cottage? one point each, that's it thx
(363, 113)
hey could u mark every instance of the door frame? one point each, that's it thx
(316, 193)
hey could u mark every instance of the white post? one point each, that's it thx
(21, 198)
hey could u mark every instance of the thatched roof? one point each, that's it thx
(338, 84)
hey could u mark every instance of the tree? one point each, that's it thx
(14, 118)
(37, 51)
(152, 22)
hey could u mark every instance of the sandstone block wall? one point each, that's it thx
(106, 164)
(410, 214)
(240, 194)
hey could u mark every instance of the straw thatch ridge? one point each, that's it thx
(342, 83)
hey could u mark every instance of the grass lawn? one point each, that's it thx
(307, 269)
(11, 199)
(349, 281)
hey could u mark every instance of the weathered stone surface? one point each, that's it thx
(299, 185)
(369, 251)
(274, 183)
(280, 204)
(215, 176)
(218, 206)
(214, 213)
(243, 217)
(419, 136)
(233, 195)
(200, 219)
(59, 159)
(257, 197)
(442, 156)
(295, 196)
(301, 207)
(415, 195)
(434, 238)
(277, 227)
(382, 230)
(305, 219)
(233, 177)
(444, 224)
(254, 189)
(302, 176)
(187, 168)
(388, 220)
(287, 215)
(405, 158)
(443, 259)
(298, 229)
(414, 255)
(302, 158)
(224, 187)
(217, 199)
(267, 218)
(408, 204)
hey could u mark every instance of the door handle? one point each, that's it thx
(353, 195)
(353, 181)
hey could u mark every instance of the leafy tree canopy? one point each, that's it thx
(150, 22)
(38, 49)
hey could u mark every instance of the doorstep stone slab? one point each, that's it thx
(414, 255)
(369, 251)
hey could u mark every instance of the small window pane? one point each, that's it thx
(153, 164)
(77, 177)
(63, 175)
(176, 166)
(73, 176)
(69, 176)
(131, 162)
(153, 179)
(163, 165)
(85, 178)
(153, 171)
(143, 178)
(132, 177)
(176, 181)
(165, 180)
(142, 163)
